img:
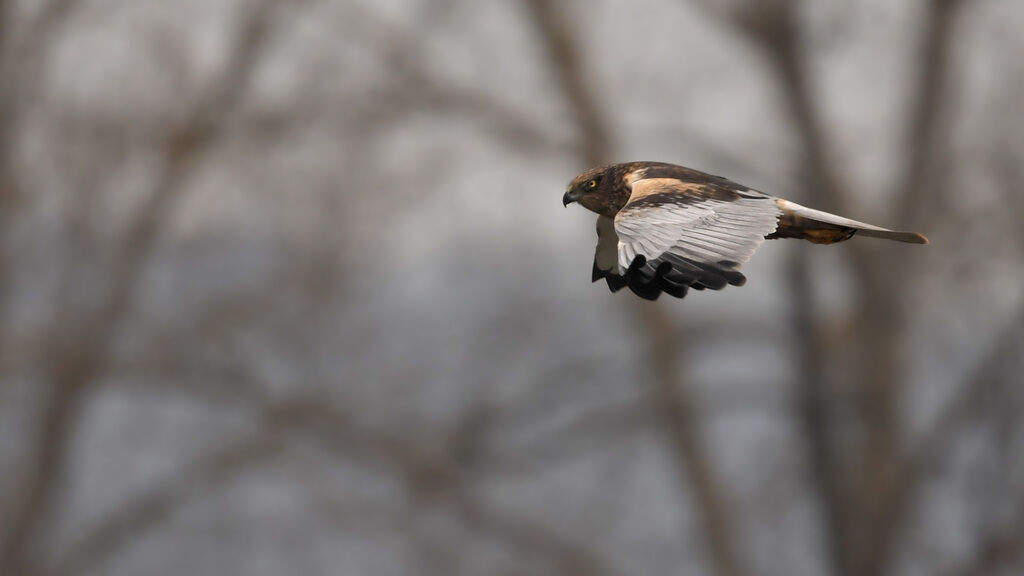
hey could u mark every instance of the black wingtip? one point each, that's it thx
(649, 291)
(615, 283)
(675, 277)
(672, 289)
(639, 262)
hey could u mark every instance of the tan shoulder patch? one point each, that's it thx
(668, 187)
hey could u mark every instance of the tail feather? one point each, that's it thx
(899, 236)
(823, 228)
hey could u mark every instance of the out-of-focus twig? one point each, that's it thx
(594, 429)
(978, 384)
(428, 476)
(999, 552)
(414, 89)
(27, 39)
(138, 516)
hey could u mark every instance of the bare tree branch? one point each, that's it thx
(594, 136)
(81, 351)
(926, 109)
(21, 53)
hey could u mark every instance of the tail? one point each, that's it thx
(820, 227)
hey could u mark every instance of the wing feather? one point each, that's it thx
(675, 234)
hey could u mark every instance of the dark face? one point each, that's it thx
(594, 190)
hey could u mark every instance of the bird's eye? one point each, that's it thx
(592, 184)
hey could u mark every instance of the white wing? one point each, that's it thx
(674, 234)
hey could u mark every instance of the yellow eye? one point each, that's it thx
(592, 184)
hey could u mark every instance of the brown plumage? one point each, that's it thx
(666, 228)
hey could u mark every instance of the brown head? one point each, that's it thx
(602, 190)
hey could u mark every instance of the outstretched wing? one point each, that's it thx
(674, 234)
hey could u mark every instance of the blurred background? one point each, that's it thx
(286, 287)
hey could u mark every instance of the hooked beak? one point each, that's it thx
(568, 198)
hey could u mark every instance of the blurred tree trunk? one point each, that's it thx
(671, 398)
(862, 517)
(21, 52)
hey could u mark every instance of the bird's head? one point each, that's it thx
(591, 189)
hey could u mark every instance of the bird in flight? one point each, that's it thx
(666, 228)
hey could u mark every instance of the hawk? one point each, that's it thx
(666, 228)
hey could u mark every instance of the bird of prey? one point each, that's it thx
(666, 228)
